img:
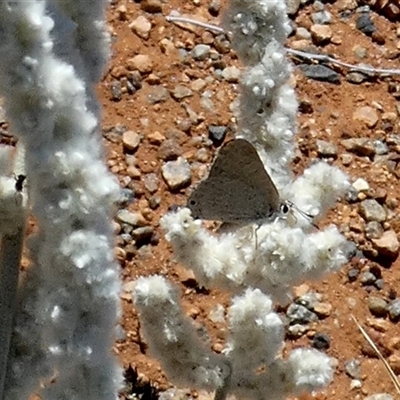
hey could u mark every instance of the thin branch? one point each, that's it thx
(298, 53)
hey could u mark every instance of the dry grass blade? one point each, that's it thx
(392, 375)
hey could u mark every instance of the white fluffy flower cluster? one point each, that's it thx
(259, 265)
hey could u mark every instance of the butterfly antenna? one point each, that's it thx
(307, 216)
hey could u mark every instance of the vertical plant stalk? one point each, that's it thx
(10, 258)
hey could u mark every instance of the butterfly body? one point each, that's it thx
(238, 188)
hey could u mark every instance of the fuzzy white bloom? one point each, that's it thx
(261, 264)
(273, 257)
(312, 369)
(318, 188)
(252, 320)
(172, 337)
(69, 300)
(255, 338)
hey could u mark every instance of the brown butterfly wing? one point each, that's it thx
(238, 189)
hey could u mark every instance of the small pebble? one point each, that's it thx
(217, 133)
(321, 341)
(373, 230)
(322, 17)
(377, 306)
(151, 182)
(200, 52)
(320, 73)
(141, 62)
(387, 245)
(321, 34)
(176, 173)
(169, 150)
(151, 6)
(394, 310)
(326, 149)
(141, 26)
(298, 314)
(353, 368)
(131, 218)
(131, 140)
(158, 94)
(367, 115)
(116, 91)
(231, 74)
(352, 274)
(371, 210)
(180, 92)
(367, 279)
(361, 185)
(361, 146)
(364, 24)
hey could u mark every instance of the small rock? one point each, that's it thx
(326, 149)
(320, 73)
(131, 218)
(151, 182)
(141, 26)
(394, 310)
(377, 306)
(296, 330)
(292, 6)
(298, 314)
(352, 274)
(151, 6)
(177, 173)
(366, 115)
(141, 63)
(381, 148)
(379, 396)
(142, 235)
(321, 34)
(321, 341)
(361, 185)
(387, 245)
(122, 13)
(346, 5)
(169, 150)
(231, 74)
(155, 137)
(347, 159)
(323, 310)
(200, 52)
(367, 279)
(131, 140)
(371, 210)
(217, 314)
(373, 230)
(126, 197)
(198, 85)
(302, 33)
(133, 172)
(365, 24)
(116, 91)
(158, 94)
(154, 201)
(309, 299)
(394, 362)
(214, 7)
(180, 92)
(217, 133)
(353, 368)
(322, 17)
(356, 77)
(361, 146)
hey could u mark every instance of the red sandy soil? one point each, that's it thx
(331, 118)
